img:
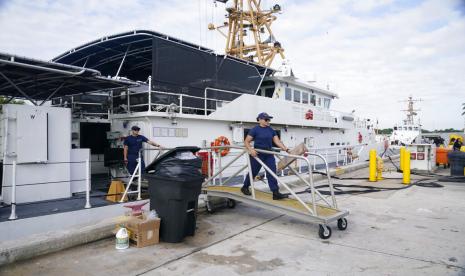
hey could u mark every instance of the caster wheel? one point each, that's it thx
(231, 203)
(342, 224)
(210, 210)
(324, 232)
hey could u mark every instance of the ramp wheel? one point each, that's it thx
(342, 224)
(324, 232)
(231, 203)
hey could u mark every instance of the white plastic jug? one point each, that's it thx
(122, 239)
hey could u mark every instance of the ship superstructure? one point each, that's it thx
(408, 130)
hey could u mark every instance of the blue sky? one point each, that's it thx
(372, 53)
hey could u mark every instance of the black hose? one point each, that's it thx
(361, 189)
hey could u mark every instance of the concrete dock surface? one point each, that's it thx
(413, 231)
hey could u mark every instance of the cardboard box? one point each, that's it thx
(144, 232)
(286, 161)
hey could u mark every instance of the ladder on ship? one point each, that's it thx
(321, 209)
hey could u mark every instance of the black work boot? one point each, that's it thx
(277, 195)
(246, 191)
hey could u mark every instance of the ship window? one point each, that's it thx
(327, 103)
(416, 128)
(405, 128)
(395, 128)
(288, 95)
(338, 144)
(343, 144)
(297, 96)
(313, 99)
(304, 97)
(409, 128)
(332, 144)
(319, 101)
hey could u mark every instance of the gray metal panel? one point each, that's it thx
(32, 136)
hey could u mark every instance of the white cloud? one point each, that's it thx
(373, 53)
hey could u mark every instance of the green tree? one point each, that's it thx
(4, 100)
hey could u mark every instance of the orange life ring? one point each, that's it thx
(221, 141)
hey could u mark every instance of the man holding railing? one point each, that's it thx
(264, 137)
(132, 146)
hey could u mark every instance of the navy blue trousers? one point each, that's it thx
(269, 161)
(132, 163)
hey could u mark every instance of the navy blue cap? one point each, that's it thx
(136, 128)
(264, 116)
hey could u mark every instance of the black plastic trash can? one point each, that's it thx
(174, 189)
(457, 162)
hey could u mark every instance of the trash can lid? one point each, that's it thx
(170, 153)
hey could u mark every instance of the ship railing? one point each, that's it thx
(162, 101)
(14, 186)
(136, 174)
(340, 155)
(85, 108)
(306, 178)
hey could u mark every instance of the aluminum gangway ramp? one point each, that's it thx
(324, 212)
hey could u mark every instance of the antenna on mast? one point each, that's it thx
(244, 17)
(411, 112)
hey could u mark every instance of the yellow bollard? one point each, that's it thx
(379, 168)
(402, 152)
(372, 177)
(406, 170)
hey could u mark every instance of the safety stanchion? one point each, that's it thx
(87, 206)
(372, 177)
(406, 169)
(13, 215)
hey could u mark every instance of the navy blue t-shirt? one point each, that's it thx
(262, 137)
(134, 143)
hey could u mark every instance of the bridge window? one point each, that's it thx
(288, 94)
(305, 97)
(319, 101)
(297, 96)
(327, 102)
(313, 99)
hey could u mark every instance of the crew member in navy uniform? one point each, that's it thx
(132, 146)
(263, 136)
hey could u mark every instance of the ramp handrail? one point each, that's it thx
(330, 184)
(210, 181)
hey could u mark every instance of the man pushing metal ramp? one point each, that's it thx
(323, 213)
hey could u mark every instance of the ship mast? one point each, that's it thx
(247, 27)
(411, 112)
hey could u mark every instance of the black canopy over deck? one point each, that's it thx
(37, 80)
(175, 65)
